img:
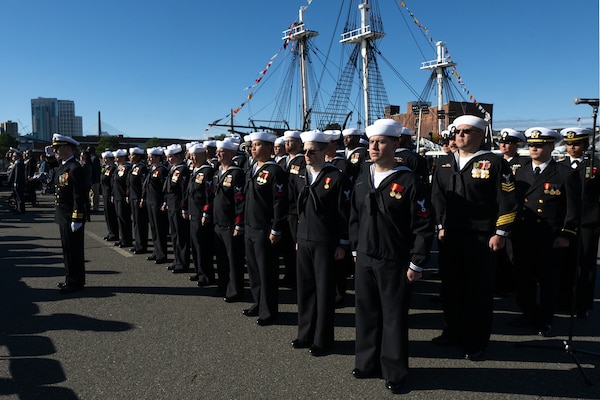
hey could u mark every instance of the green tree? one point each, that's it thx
(107, 142)
(152, 142)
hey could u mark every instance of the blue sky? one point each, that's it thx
(168, 68)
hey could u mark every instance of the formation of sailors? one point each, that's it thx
(502, 223)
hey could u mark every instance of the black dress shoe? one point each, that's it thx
(60, 284)
(117, 243)
(194, 278)
(300, 344)
(360, 374)
(265, 321)
(67, 288)
(123, 245)
(179, 270)
(476, 355)
(139, 252)
(544, 330)
(443, 340)
(161, 261)
(317, 351)
(249, 312)
(171, 267)
(131, 250)
(232, 299)
(204, 284)
(151, 258)
(395, 387)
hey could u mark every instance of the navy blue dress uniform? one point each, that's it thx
(30, 170)
(71, 192)
(265, 213)
(405, 156)
(589, 233)
(391, 230)
(473, 202)
(139, 212)
(323, 210)
(509, 141)
(199, 191)
(550, 208)
(356, 155)
(175, 202)
(119, 195)
(17, 180)
(154, 197)
(228, 216)
(110, 214)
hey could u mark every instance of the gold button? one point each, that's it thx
(539, 210)
(541, 201)
(526, 200)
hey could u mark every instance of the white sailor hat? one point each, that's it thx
(197, 148)
(471, 120)
(135, 150)
(155, 151)
(263, 136)
(280, 141)
(445, 136)
(384, 127)
(333, 134)
(392, 123)
(58, 140)
(351, 132)
(406, 132)
(363, 141)
(190, 144)
(14, 150)
(315, 136)
(236, 136)
(210, 143)
(108, 154)
(173, 149)
(542, 135)
(508, 135)
(247, 138)
(120, 153)
(575, 134)
(292, 135)
(227, 144)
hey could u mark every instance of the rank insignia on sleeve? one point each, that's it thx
(327, 182)
(423, 211)
(507, 185)
(396, 190)
(279, 192)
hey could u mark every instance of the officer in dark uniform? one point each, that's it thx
(106, 180)
(355, 153)
(266, 209)
(509, 143)
(17, 180)
(119, 195)
(228, 219)
(577, 141)
(547, 223)
(176, 207)
(71, 191)
(139, 212)
(323, 208)
(473, 194)
(391, 229)
(30, 170)
(153, 198)
(198, 192)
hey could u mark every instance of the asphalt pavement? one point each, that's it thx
(137, 331)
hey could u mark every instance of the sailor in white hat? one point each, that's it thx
(548, 223)
(266, 209)
(386, 196)
(474, 196)
(175, 205)
(406, 156)
(106, 179)
(139, 213)
(279, 153)
(154, 199)
(211, 152)
(322, 237)
(120, 199)
(356, 151)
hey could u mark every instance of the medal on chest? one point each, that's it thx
(354, 158)
(227, 181)
(175, 176)
(396, 191)
(552, 189)
(262, 177)
(63, 179)
(199, 178)
(327, 182)
(481, 169)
